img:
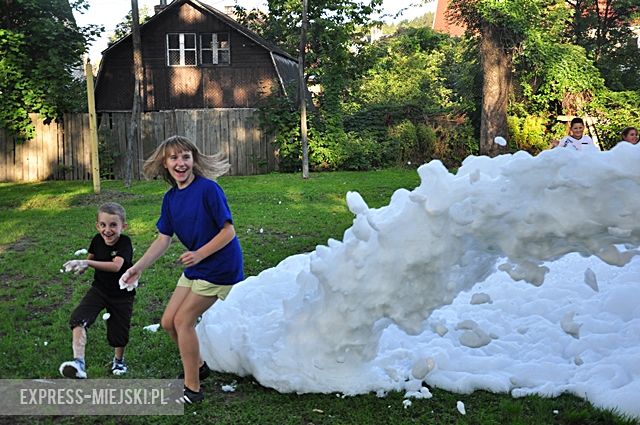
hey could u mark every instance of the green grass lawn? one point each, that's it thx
(43, 224)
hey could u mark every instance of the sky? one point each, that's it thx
(111, 12)
(516, 275)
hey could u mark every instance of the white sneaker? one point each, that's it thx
(118, 367)
(73, 369)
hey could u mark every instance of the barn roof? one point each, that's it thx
(218, 14)
(284, 64)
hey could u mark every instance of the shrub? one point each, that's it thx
(402, 142)
(360, 152)
(528, 133)
(324, 148)
(109, 156)
(427, 143)
(614, 111)
(453, 141)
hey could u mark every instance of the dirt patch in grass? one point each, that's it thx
(12, 280)
(104, 196)
(6, 299)
(154, 305)
(42, 304)
(20, 245)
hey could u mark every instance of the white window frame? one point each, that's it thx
(182, 49)
(215, 48)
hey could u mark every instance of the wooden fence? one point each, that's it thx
(60, 150)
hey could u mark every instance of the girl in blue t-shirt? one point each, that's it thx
(195, 210)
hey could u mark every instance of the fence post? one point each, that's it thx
(93, 130)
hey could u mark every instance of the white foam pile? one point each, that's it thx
(433, 288)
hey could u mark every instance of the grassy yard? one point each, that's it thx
(43, 224)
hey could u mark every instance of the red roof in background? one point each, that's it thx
(440, 22)
(602, 6)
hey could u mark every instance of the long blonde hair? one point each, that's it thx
(210, 166)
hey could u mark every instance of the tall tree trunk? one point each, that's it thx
(303, 93)
(496, 85)
(137, 96)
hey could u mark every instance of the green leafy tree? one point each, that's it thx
(615, 111)
(424, 21)
(123, 28)
(336, 35)
(502, 28)
(603, 28)
(417, 66)
(557, 79)
(41, 47)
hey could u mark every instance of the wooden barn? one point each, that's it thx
(194, 57)
(204, 75)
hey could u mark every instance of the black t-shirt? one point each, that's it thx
(107, 282)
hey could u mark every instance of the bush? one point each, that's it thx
(528, 133)
(427, 143)
(109, 157)
(462, 144)
(614, 111)
(326, 150)
(360, 152)
(404, 142)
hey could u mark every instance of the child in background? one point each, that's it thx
(576, 139)
(196, 210)
(110, 254)
(630, 134)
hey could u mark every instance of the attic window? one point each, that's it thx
(181, 49)
(215, 49)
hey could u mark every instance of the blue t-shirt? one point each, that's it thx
(196, 214)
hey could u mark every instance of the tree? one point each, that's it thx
(603, 28)
(123, 28)
(302, 92)
(424, 21)
(501, 29)
(41, 48)
(137, 95)
(336, 33)
(417, 66)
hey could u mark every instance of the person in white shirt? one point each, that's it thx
(630, 134)
(576, 139)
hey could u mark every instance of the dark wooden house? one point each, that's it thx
(194, 57)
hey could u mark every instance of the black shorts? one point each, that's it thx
(119, 308)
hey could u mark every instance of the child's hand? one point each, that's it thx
(190, 258)
(76, 266)
(129, 280)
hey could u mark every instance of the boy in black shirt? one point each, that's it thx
(110, 254)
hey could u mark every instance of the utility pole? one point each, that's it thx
(302, 86)
(137, 98)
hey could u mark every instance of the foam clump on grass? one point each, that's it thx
(355, 315)
(460, 407)
(152, 328)
(229, 388)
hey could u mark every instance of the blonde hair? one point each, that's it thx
(210, 166)
(113, 208)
